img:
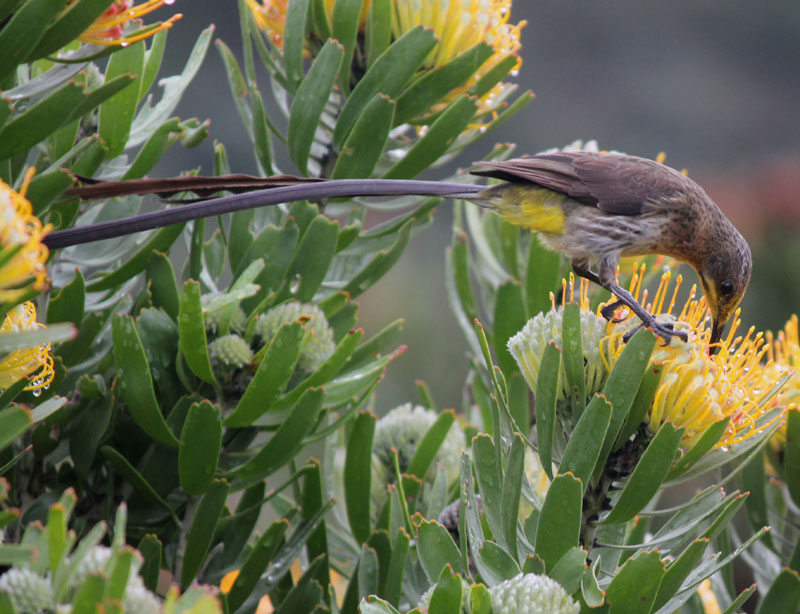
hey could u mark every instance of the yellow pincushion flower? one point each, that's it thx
(697, 389)
(109, 28)
(35, 363)
(22, 253)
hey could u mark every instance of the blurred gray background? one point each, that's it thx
(715, 85)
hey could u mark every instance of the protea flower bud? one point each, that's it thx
(29, 592)
(229, 353)
(531, 594)
(317, 344)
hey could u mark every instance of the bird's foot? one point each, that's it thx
(609, 310)
(665, 330)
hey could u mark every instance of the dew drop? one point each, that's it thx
(295, 285)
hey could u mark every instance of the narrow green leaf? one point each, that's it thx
(590, 588)
(633, 589)
(435, 84)
(490, 483)
(572, 353)
(346, 19)
(706, 441)
(446, 597)
(783, 595)
(649, 474)
(495, 564)
(294, 37)
(512, 489)
(198, 454)
(583, 448)
(623, 382)
(163, 285)
(271, 377)
(287, 440)
(23, 30)
(509, 318)
(310, 101)
(559, 524)
(368, 571)
(152, 64)
(121, 572)
(56, 535)
(121, 465)
(136, 382)
(388, 74)
(192, 332)
(14, 421)
(437, 140)
(494, 76)
(363, 148)
(150, 547)
(754, 480)
(116, 114)
(260, 555)
(678, 570)
(201, 533)
(378, 33)
(737, 603)
(67, 304)
(436, 549)
(358, 475)
(427, 448)
(570, 569)
(89, 595)
(311, 260)
(642, 403)
(397, 564)
(311, 503)
(547, 386)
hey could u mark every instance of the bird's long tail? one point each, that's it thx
(278, 190)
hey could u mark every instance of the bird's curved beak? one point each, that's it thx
(717, 328)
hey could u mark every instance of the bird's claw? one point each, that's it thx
(609, 310)
(665, 330)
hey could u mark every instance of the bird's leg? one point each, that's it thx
(608, 280)
(582, 270)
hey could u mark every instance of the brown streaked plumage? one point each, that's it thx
(615, 205)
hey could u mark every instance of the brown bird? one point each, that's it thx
(593, 207)
(598, 207)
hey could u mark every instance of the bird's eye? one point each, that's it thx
(726, 287)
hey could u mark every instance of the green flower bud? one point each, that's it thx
(29, 592)
(229, 353)
(528, 345)
(531, 594)
(317, 344)
(212, 320)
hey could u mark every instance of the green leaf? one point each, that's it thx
(590, 588)
(559, 524)
(791, 457)
(310, 101)
(201, 438)
(116, 113)
(152, 64)
(509, 318)
(388, 74)
(14, 421)
(56, 535)
(201, 533)
(633, 589)
(363, 148)
(163, 285)
(378, 33)
(572, 354)
(346, 18)
(642, 403)
(427, 448)
(161, 241)
(375, 605)
(165, 135)
(436, 549)
(446, 597)
(397, 564)
(737, 603)
(294, 36)
(570, 569)
(23, 30)
(120, 572)
(583, 448)
(648, 475)
(546, 394)
(754, 480)
(150, 548)
(89, 595)
(678, 570)
(494, 76)
(437, 140)
(67, 304)
(260, 555)
(69, 23)
(192, 332)
(623, 383)
(311, 260)
(358, 475)
(367, 571)
(512, 489)
(274, 371)
(136, 382)
(287, 440)
(783, 595)
(490, 483)
(495, 564)
(435, 84)
(706, 441)
(121, 465)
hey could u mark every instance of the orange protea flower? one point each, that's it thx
(22, 253)
(109, 28)
(35, 362)
(698, 389)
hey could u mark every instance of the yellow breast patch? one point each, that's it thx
(533, 208)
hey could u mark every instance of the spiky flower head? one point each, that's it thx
(214, 318)
(531, 594)
(403, 428)
(317, 344)
(22, 253)
(35, 363)
(528, 345)
(697, 389)
(229, 353)
(109, 28)
(29, 592)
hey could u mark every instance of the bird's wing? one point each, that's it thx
(614, 183)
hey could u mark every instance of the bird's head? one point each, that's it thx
(725, 274)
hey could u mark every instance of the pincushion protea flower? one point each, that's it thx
(22, 253)
(35, 362)
(109, 28)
